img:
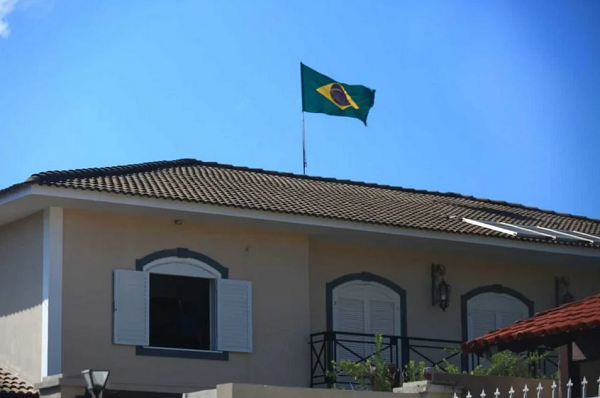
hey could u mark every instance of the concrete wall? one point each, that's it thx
(21, 252)
(489, 384)
(97, 243)
(255, 391)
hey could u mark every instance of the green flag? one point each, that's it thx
(321, 94)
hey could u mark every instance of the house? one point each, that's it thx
(574, 326)
(181, 275)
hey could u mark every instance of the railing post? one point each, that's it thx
(329, 356)
(394, 352)
(405, 351)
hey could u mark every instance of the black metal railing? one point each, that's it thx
(329, 347)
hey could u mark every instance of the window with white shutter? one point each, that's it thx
(182, 306)
(130, 307)
(490, 311)
(234, 315)
(364, 307)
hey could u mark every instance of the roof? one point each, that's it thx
(11, 384)
(552, 328)
(191, 180)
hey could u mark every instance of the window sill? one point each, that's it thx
(180, 353)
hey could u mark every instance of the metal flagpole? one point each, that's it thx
(303, 147)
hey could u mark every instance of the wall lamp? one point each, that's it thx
(440, 290)
(561, 290)
(95, 381)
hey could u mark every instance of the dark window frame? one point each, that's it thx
(464, 300)
(182, 353)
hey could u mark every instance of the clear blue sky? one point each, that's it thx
(493, 99)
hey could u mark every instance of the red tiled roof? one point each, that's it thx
(552, 327)
(11, 384)
(191, 180)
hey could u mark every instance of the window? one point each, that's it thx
(180, 312)
(491, 311)
(181, 303)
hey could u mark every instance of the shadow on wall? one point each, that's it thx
(21, 266)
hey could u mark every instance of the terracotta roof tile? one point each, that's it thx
(552, 325)
(191, 180)
(11, 384)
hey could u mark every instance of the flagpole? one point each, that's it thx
(303, 147)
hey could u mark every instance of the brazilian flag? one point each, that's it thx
(322, 94)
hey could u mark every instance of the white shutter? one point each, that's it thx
(509, 310)
(350, 314)
(131, 312)
(481, 322)
(382, 317)
(234, 315)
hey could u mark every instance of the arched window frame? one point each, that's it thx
(368, 277)
(182, 262)
(464, 301)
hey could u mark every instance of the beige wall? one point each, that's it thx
(277, 265)
(412, 270)
(289, 273)
(21, 252)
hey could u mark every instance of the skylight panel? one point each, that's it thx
(536, 232)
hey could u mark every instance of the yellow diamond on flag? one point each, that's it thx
(336, 93)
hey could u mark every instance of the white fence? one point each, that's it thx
(539, 391)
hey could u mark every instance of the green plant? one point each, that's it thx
(504, 363)
(414, 371)
(374, 373)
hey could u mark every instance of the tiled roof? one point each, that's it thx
(191, 180)
(11, 384)
(553, 327)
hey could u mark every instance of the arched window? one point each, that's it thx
(364, 304)
(181, 303)
(491, 307)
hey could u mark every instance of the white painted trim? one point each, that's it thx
(166, 204)
(52, 292)
(559, 233)
(594, 237)
(529, 229)
(489, 226)
(182, 267)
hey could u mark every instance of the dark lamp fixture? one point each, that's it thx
(561, 288)
(440, 290)
(95, 381)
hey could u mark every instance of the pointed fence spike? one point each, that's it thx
(569, 388)
(455, 396)
(525, 391)
(469, 394)
(553, 388)
(539, 390)
(497, 393)
(598, 381)
(511, 392)
(583, 387)
(482, 395)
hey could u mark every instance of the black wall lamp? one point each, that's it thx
(440, 290)
(561, 289)
(95, 381)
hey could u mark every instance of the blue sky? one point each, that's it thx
(491, 99)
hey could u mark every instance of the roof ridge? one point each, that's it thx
(55, 175)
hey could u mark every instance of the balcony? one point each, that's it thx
(328, 347)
